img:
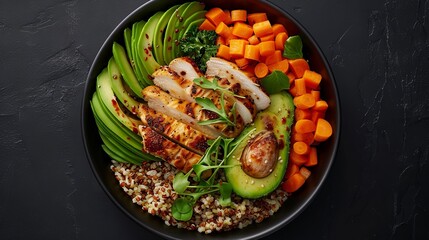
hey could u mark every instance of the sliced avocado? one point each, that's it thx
(194, 23)
(112, 120)
(195, 16)
(116, 133)
(169, 31)
(179, 25)
(200, 15)
(116, 144)
(107, 97)
(112, 154)
(127, 40)
(145, 46)
(126, 70)
(159, 33)
(280, 114)
(135, 30)
(118, 88)
(117, 140)
(144, 76)
(120, 155)
(131, 136)
(111, 125)
(129, 49)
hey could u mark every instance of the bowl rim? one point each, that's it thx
(337, 116)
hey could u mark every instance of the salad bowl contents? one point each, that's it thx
(211, 116)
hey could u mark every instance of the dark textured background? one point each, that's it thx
(378, 187)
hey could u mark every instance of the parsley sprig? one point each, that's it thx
(199, 45)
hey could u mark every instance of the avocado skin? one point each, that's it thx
(280, 113)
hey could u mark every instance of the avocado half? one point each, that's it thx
(278, 118)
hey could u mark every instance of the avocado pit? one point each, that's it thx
(260, 155)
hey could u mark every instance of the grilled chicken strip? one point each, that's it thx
(174, 130)
(185, 89)
(187, 69)
(224, 69)
(245, 102)
(180, 87)
(190, 113)
(159, 146)
(172, 83)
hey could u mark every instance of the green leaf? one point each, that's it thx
(182, 209)
(180, 182)
(213, 149)
(205, 83)
(211, 121)
(199, 46)
(236, 141)
(276, 82)
(213, 85)
(208, 104)
(225, 190)
(199, 169)
(293, 47)
(226, 145)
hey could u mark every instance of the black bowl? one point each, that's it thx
(100, 162)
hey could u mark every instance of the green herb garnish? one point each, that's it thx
(200, 46)
(275, 82)
(213, 85)
(208, 104)
(293, 47)
(182, 209)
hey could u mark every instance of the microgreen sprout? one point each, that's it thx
(213, 160)
(182, 209)
(213, 85)
(208, 104)
(225, 190)
(181, 182)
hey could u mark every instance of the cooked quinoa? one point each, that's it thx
(150, 186)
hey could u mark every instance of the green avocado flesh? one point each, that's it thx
(194, 18)
(117, 129)
(145, 46)
(135, 60)
(126, 70)
(169, 32)
(158, 35)
(278, 117)
(118, 88)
